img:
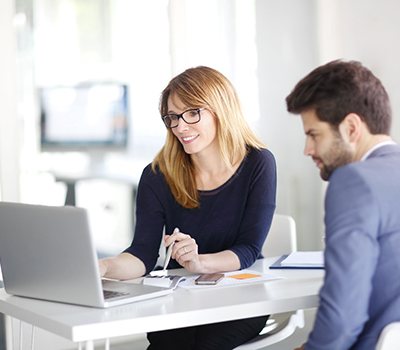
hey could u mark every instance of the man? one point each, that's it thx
(346, 117)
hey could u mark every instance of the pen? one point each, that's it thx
(169, 251)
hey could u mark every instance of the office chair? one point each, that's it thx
(281, 240)
(389, 338)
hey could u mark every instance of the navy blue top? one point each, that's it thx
(235, 216)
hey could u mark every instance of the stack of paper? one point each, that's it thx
(304, 259)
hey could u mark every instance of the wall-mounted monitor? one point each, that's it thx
(85, 117)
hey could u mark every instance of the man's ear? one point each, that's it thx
(351, 127)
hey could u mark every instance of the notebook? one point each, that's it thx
(300, 260)
(48, 253)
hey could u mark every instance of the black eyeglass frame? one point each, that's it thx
(180, 116)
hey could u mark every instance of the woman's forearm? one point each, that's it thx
(219, 262)
(122, 267)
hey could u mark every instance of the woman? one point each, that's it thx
(212, 187)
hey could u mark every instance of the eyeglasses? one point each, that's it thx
(190, 116)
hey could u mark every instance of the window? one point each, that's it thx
(141, 44)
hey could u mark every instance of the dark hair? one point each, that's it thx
(338, 88)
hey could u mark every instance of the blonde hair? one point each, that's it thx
(203, 87)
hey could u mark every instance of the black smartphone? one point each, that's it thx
(209, 278)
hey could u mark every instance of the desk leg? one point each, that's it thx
(107, 344)
(21, 334)
(2, 332)
(9, 341)
(70, 198)
(33, 337)
(16, 323)
(89, 345)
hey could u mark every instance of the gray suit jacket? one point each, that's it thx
(361, 291)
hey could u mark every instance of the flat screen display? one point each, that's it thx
(84, 117)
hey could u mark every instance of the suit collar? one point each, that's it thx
(382, 149)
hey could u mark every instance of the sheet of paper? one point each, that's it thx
(231, 279)
(304, 258)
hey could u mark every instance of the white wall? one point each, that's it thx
(9, 128)
(293, 37)
(287, 50)
(367, 31)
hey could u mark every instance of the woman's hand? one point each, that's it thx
(185, 251)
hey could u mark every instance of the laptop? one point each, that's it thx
(48, 253)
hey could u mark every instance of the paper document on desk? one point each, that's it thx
(304, 259)
(232, 278)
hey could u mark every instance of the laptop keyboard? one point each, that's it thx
(108, 294)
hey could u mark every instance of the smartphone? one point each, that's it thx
(209, 278)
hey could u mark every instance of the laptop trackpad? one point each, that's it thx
(132, 289)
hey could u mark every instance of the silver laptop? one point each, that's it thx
(47, 253)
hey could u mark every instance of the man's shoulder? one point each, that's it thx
(377, 175)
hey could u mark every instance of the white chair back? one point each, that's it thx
(390, 337)
(281, 237)
(281, 240)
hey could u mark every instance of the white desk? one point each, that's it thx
(298, 290)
